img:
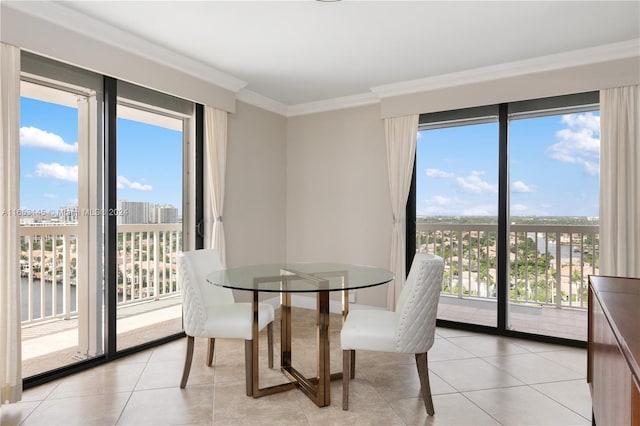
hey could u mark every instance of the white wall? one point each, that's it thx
(255, 195)
(338, 207)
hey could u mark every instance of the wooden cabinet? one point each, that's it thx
(614, 350)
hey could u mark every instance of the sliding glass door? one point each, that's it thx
(554, 181)
(508, 196)
(150, 142)
(60, 181)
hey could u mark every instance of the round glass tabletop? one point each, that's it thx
(300, 277)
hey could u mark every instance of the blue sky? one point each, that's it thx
(149, 162)
(554, 168)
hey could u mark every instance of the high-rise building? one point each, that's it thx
(133, 212)
(166, 214)
(68, 214)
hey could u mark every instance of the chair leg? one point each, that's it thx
(210, 349)
(248, 366)
(425, 387)
(347, 356)
(270, 343)
(187, 362)
(352, 369)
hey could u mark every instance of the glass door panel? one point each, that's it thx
(149, 223)
(554, 199)
(457, 216)
(62, 321)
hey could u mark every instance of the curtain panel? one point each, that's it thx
(10, 338)
(215, 151)
(620, 181)
(400, 136)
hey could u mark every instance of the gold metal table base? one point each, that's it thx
(317, 388)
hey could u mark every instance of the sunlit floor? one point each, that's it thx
(476, 379)
(567, 323)
(50, 345)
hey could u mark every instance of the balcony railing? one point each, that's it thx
(147, 261)
(548, 264)
(146, 267)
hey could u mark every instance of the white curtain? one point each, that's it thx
(215, 168)
(620, 181)
(10, 339)
(400, 134)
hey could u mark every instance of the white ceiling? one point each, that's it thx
(301, 52)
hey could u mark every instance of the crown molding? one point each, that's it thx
(332, 104)
(592, 55)
(68, 18)
(256, 99)
(603, 53)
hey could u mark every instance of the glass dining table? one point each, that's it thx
(288, 278)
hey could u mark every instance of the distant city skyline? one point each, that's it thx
(127, 212)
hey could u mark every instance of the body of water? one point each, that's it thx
(565, 250)
(48, 295)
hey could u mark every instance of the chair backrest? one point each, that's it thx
(417, 305)
(197, 294)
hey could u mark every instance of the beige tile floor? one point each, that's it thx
(476, 379)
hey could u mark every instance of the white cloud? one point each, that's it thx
(439, 173)
(432, 210)
(50, 195)
(519, 208)
(592, 169)
(439, 205)
(474, 183)
(57, 171)
(123, 183)
(440, 200)
(454, 206)
(583, 121)
(520, 186)
(34, 137)
(579, 143)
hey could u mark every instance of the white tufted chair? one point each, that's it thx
(210, 311)
(410, 329)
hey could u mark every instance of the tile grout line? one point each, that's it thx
(124, 407)
(558, 402)
(461, 393)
